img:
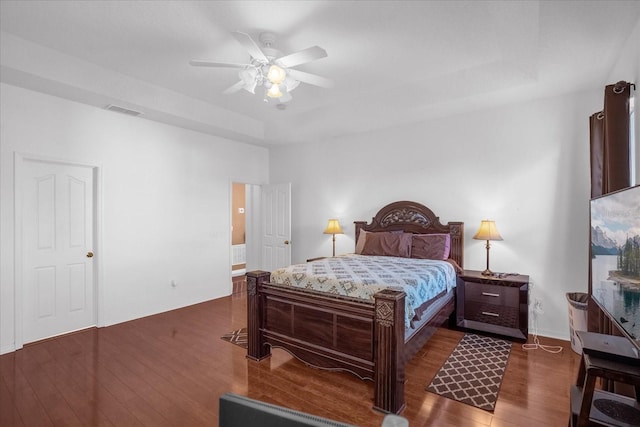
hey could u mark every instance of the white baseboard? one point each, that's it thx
(7, 349)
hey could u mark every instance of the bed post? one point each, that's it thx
(389, 351)
(256, 349)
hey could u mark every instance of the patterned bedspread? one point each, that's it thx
(361, 276)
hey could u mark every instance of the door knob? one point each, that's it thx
(89, 254)
(286, 242)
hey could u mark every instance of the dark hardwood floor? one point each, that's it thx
(170, 369)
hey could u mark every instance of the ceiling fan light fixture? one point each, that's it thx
(251, 87)
(248, 75)
(250, 78)
(274, 91)
(291, 83)
(276, 74)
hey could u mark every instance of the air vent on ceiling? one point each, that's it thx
(123, 110)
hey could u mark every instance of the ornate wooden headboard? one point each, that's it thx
(412, 217)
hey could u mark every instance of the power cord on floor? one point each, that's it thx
(536, 342)
(536, 345)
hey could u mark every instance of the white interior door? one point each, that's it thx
(57, 220)
(276, 226)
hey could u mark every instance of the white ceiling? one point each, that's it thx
(393, 62)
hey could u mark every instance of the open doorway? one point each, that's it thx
(260, 229)
(238, 237)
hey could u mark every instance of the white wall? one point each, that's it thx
(166, 201)
(525, 166)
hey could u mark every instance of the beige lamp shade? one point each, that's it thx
(487, 231)
(333, 227)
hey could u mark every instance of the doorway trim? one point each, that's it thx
(18, 303)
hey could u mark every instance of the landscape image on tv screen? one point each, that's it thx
(615, 257)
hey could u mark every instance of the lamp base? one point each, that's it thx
(487, 272)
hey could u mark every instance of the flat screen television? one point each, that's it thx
(615, 258)
(240, 411)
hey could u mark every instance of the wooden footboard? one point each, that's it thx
(336, 333)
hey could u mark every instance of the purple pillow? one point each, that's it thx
(362, 237)
(360, 243)
(430, 246)
(388, 244)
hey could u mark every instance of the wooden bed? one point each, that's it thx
(339, 333)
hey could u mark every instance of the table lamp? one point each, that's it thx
(487, 231)
(333, 228)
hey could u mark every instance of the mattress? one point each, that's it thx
(362, 276)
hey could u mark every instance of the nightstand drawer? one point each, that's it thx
(491, 294)
(492, 314)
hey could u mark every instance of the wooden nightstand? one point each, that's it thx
(498, 305)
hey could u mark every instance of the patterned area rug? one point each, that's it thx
(237, 337)
(473, 372)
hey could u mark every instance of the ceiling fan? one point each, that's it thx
(270, 69)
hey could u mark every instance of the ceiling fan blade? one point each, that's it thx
(235, 88)
(311, 79)
(199, 63)
(301, 57)
(251, 46)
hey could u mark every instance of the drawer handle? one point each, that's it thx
(489, 294)
(488, 313)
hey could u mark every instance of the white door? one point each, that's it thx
(276, 226)
(57, 243)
